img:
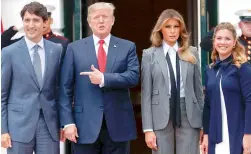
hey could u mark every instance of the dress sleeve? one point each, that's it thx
(206, 109)
(245, 82)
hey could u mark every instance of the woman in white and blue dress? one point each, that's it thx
(227, 109)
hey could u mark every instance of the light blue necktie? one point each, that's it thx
(37, 65)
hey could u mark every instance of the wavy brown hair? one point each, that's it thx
(183, 40)
(238, 50)
(35, 8)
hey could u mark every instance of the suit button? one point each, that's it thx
(101, 107)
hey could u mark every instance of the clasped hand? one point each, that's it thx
(71, 133)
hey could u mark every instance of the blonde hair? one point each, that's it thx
(100, 5)
(238, 50)
(183, 40)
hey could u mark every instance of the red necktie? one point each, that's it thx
(101, 56)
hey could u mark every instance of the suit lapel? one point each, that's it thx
(160, 56)
(48, 60)
(25, 56)
(183, 66)
(112, 53)
(90, 51)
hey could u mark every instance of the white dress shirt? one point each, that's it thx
(172, 55)
(41, 51)
(105, 45)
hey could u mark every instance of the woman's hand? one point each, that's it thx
(247, 144)
(150, 139)
(201, 136)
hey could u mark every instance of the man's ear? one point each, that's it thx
(113, 21)
(240, 24)
(88, 22)
(46, 21)
(51, 21)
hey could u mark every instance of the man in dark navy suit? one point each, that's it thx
(96, 74)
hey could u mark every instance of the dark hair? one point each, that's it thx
(35, 8)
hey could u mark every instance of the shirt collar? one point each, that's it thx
(31, 44)
(166, 46)
(96, 39)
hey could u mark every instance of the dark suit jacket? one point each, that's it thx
(22, 97)
(6, 37)
(236, 83)
(91, 102)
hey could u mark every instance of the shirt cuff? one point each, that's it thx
(102, 84)
(68, 126)
(148, 130)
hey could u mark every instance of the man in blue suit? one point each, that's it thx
(30, 71)
(96, 75)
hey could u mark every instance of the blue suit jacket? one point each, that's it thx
(22, 95)
(236, 87)
(92, 102)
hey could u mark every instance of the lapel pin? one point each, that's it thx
(115, 46)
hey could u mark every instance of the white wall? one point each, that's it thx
(227, 8)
